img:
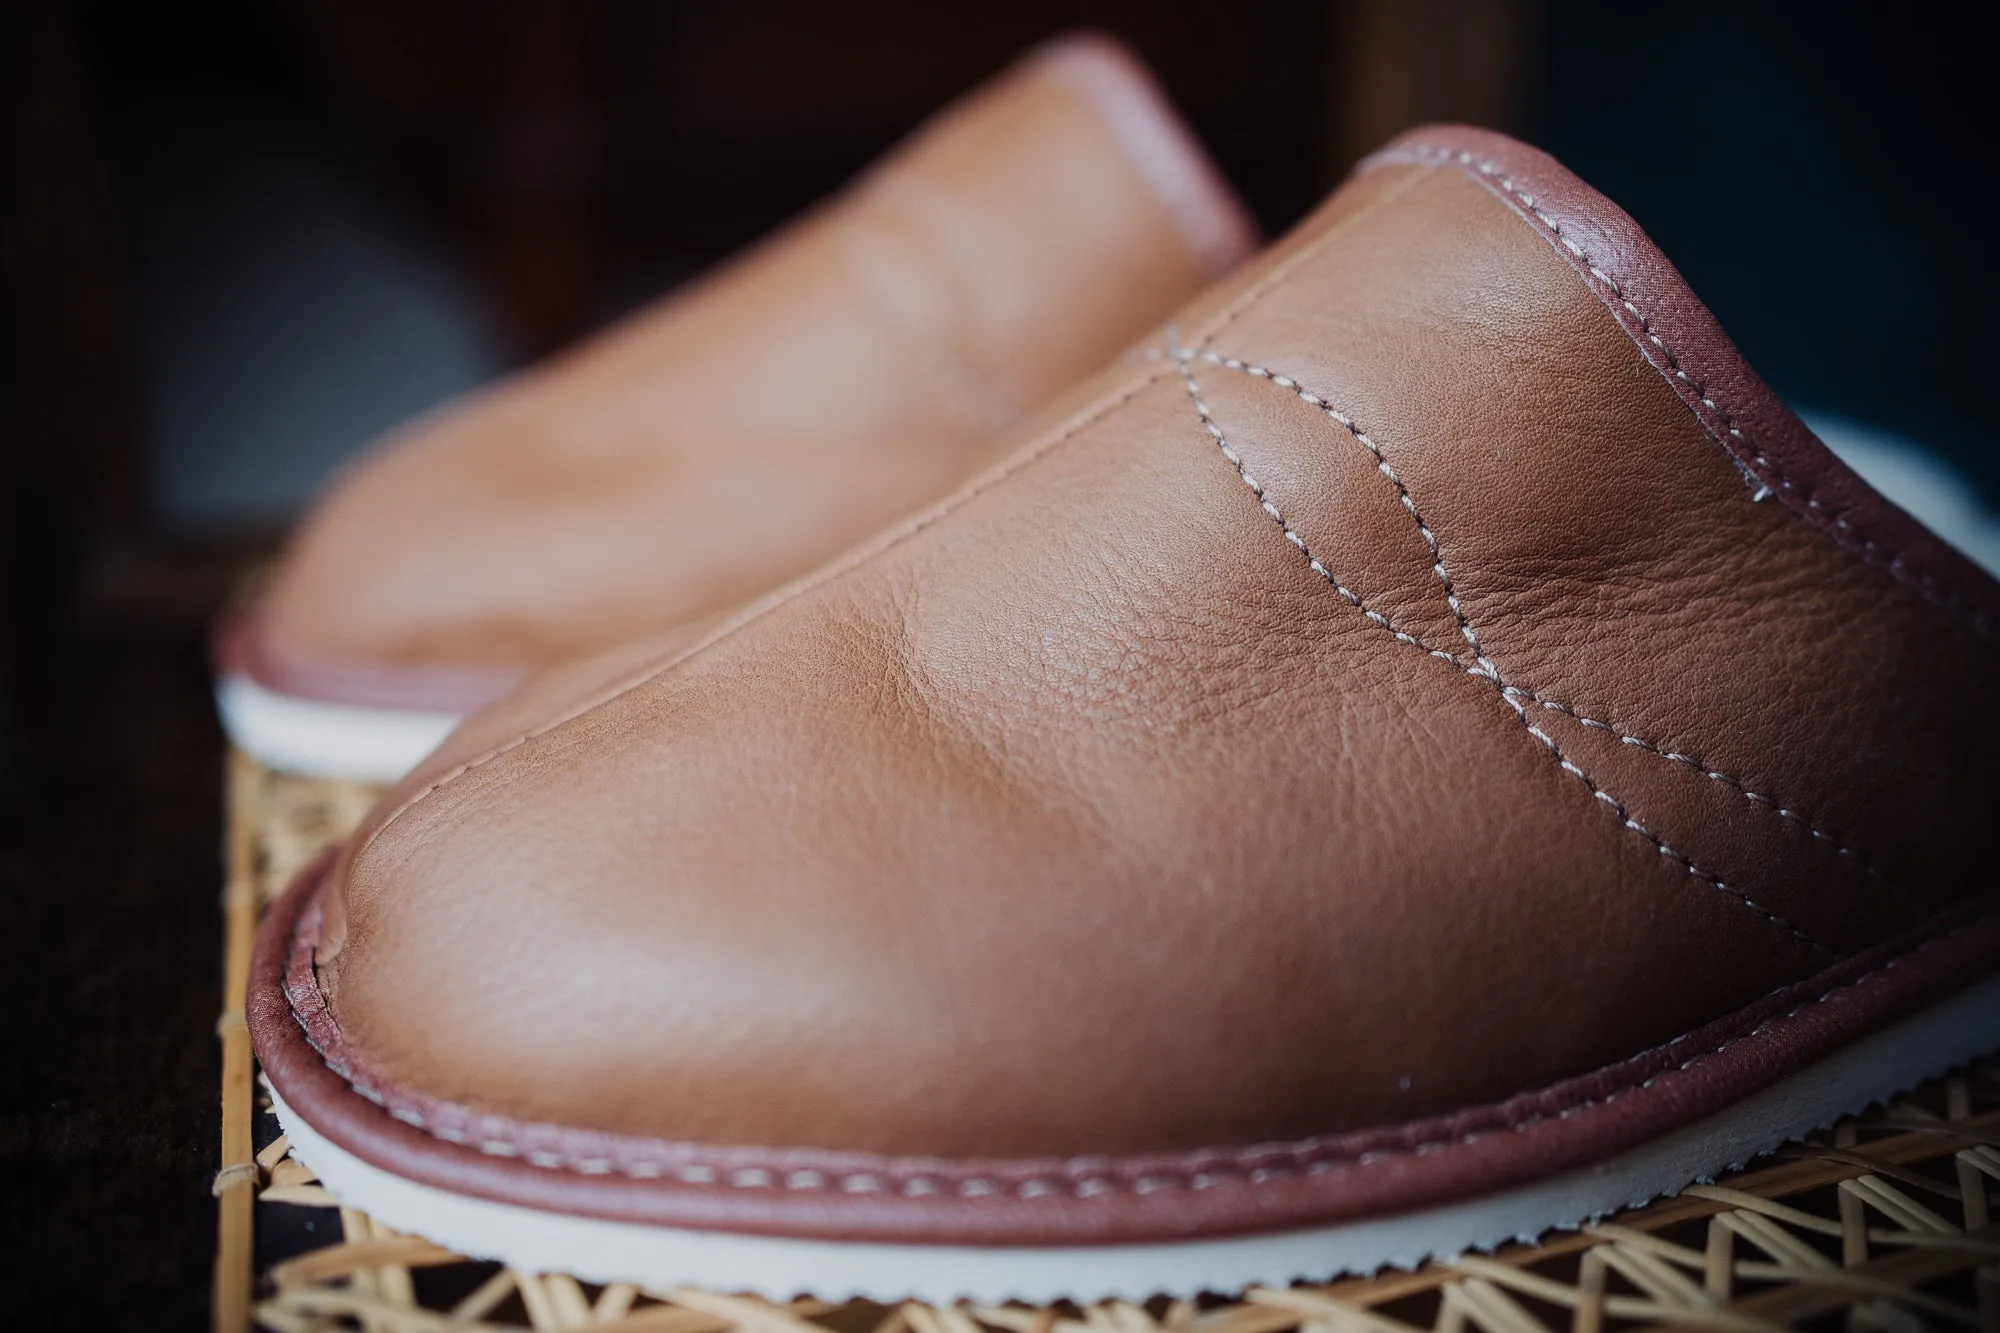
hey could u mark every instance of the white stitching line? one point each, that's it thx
(1771, 803)
(1307, 1157)
(1659, 844)
(1022, 458)
(1256, 488)
(1025, 457)
(1382, 465)
(865, 1182)
(1867, 549)
(1775, 805)
(1483, 669)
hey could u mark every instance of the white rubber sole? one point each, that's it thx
(347, 742)
(1963, 1028)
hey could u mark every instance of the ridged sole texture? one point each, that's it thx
(342, 742)
(1952, 1032)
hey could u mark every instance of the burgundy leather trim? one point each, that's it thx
(241, 648)
(858, 1196)
(1676, 332)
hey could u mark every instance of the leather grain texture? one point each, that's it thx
(852, 1196)
(1386, 699)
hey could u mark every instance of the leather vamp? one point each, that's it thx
(1385, 694)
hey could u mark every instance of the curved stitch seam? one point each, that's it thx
(1382, 465)
(1774, 804)
(1311, 1156)
(1027, 455)
(1844, 532)
(1270, 509)
(1483, 670)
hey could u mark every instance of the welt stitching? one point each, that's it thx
(1313, 1156)
(1774, 804)
(1870, 552)
(1482, 668)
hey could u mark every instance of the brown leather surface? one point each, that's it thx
(1387, 699)
(849, 1196)
(1682, 339)
(852, 367)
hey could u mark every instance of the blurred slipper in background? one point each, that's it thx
(851, 368)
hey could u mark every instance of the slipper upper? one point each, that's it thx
(1432, 668)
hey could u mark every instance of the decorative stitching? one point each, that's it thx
(1256, 488)
(1302, 1151)
(1481, 668)
(1659, 844)
(1028, 454)
(1253, 1165)
(1774, 804)
(1381, 465)
(1701, 766)
(1845, 533)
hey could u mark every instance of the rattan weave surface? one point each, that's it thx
(1887, 1222)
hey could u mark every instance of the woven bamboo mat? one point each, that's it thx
(1885, 1223)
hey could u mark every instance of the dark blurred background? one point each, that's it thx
(240, 239)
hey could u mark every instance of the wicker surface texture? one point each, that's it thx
(1887, 1222)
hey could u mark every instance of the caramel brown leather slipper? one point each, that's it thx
(850, 369)
(1430, 751)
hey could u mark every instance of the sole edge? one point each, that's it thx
(341, 742)
(1961, 1028)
